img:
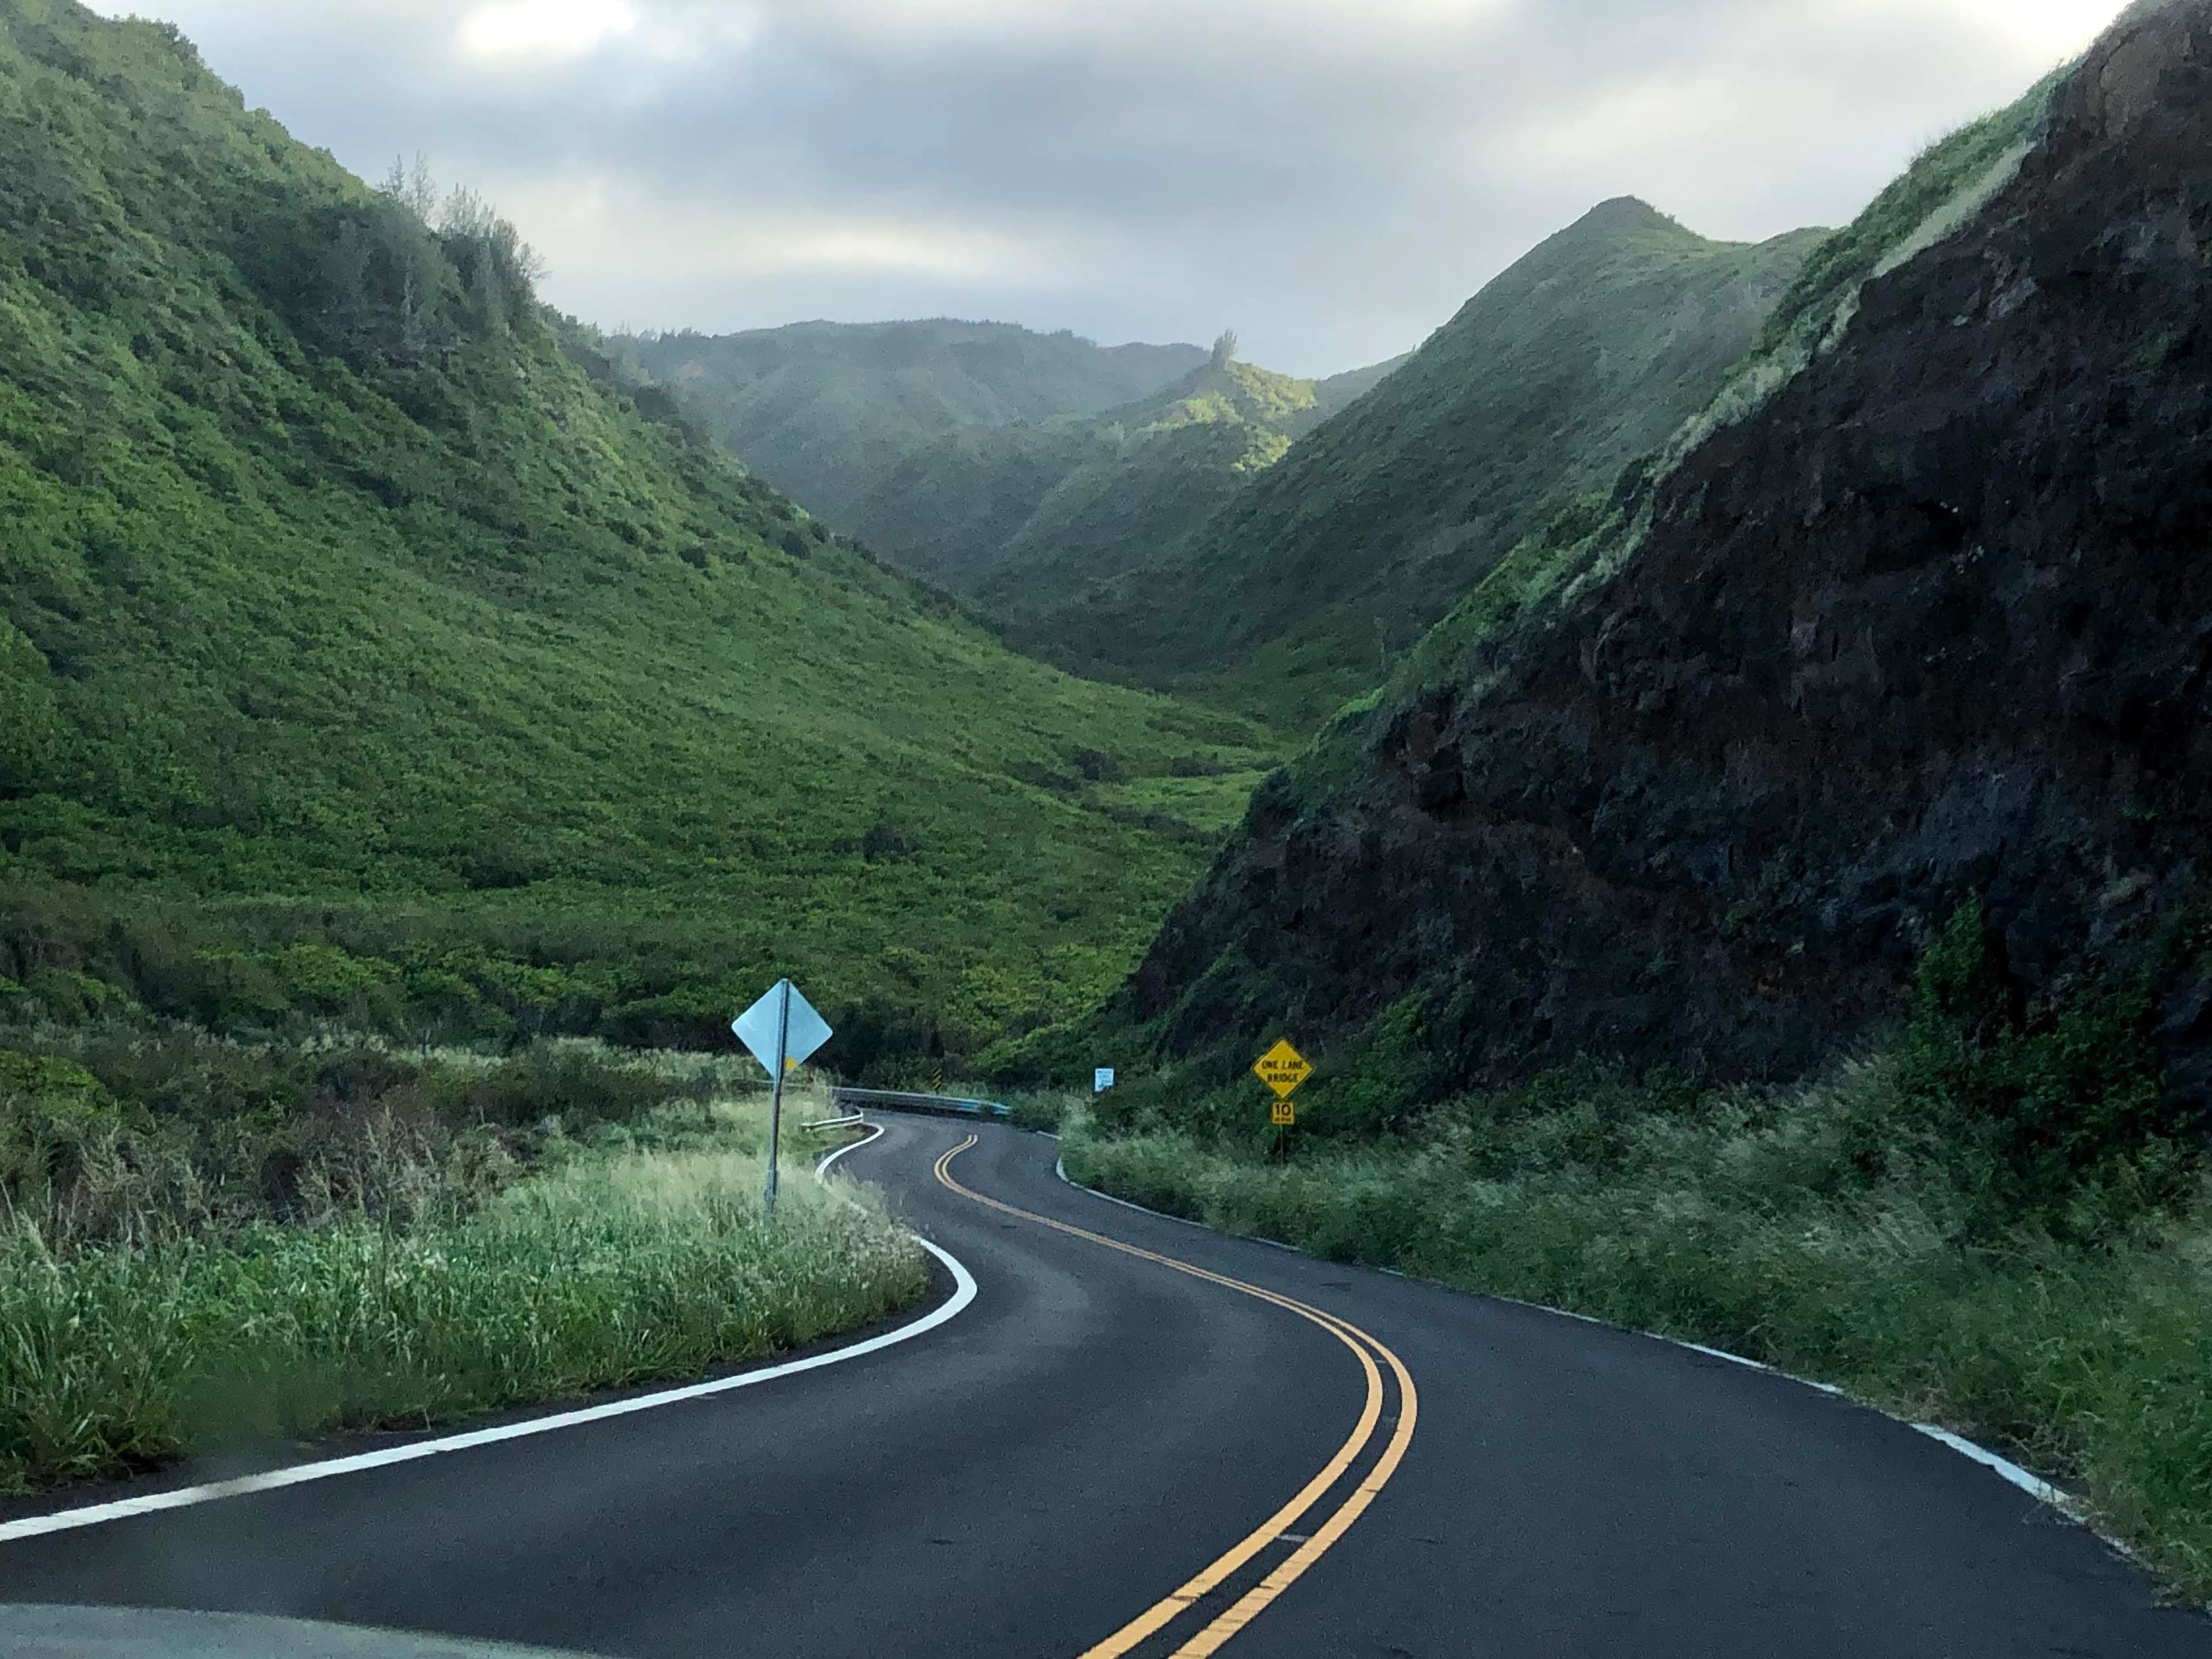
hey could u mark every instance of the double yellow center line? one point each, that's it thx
(1324, 1536)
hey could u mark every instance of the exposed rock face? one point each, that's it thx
(1937, 620)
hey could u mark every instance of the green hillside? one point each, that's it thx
(1297, 593)
(824, 410)
(370, 650)
(1026, 516)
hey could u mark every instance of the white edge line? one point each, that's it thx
(822, 1166)
(300, 1474)
(2034, 1486)
(2060, 1499)
(1722, 1353)
(1060, 1169)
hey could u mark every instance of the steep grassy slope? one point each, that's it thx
(1906, 637)
(332, 568)
(824, 410)
(1026, 516)
(1585, 354)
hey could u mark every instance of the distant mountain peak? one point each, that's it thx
(826, 411)
(1623, 212)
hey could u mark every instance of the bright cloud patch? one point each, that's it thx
(558, 30)
(2057, 28)
(576, 217)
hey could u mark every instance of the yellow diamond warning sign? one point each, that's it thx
(1282, 1068)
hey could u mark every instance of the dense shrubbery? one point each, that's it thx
(201, 1240)
(2060, 1113)
(129, 1137)
(504, 973)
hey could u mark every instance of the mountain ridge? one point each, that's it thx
(1907, 628)
(823, 410)
(1020, 516)
(1583, 354)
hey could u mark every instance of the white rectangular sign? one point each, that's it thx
(1102, 1080)
(804, 1030)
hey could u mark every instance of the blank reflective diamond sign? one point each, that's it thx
(804, 1030)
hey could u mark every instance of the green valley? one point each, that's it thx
(1024, 517)
(826, 411)
(375, 648)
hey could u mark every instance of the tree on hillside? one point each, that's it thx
(1225, 349)
(415, 191)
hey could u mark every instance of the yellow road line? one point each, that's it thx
(1217, 1573)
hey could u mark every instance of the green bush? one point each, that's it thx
(564, 1083)
(1042, 1110)
(123, 1136)
(2064, 1100)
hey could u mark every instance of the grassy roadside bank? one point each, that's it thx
(1759, 1223)
(154, 1305)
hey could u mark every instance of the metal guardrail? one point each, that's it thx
(846, 1121)
(897, 1100)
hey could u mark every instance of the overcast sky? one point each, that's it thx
(1331, 177)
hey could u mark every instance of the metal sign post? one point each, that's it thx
(775, 1098)
(781, 1029)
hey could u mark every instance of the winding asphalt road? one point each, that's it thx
(1321, 1461)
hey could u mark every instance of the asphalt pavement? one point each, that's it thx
(1142, 1437)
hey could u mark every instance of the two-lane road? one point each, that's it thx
(1144, 1439)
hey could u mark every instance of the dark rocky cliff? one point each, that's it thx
(1934, 620)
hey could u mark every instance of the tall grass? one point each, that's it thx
(1751, 1222)
(618, 1268)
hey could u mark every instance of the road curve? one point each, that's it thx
(1099, 1455)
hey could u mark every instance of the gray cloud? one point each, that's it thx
(1332, 177)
